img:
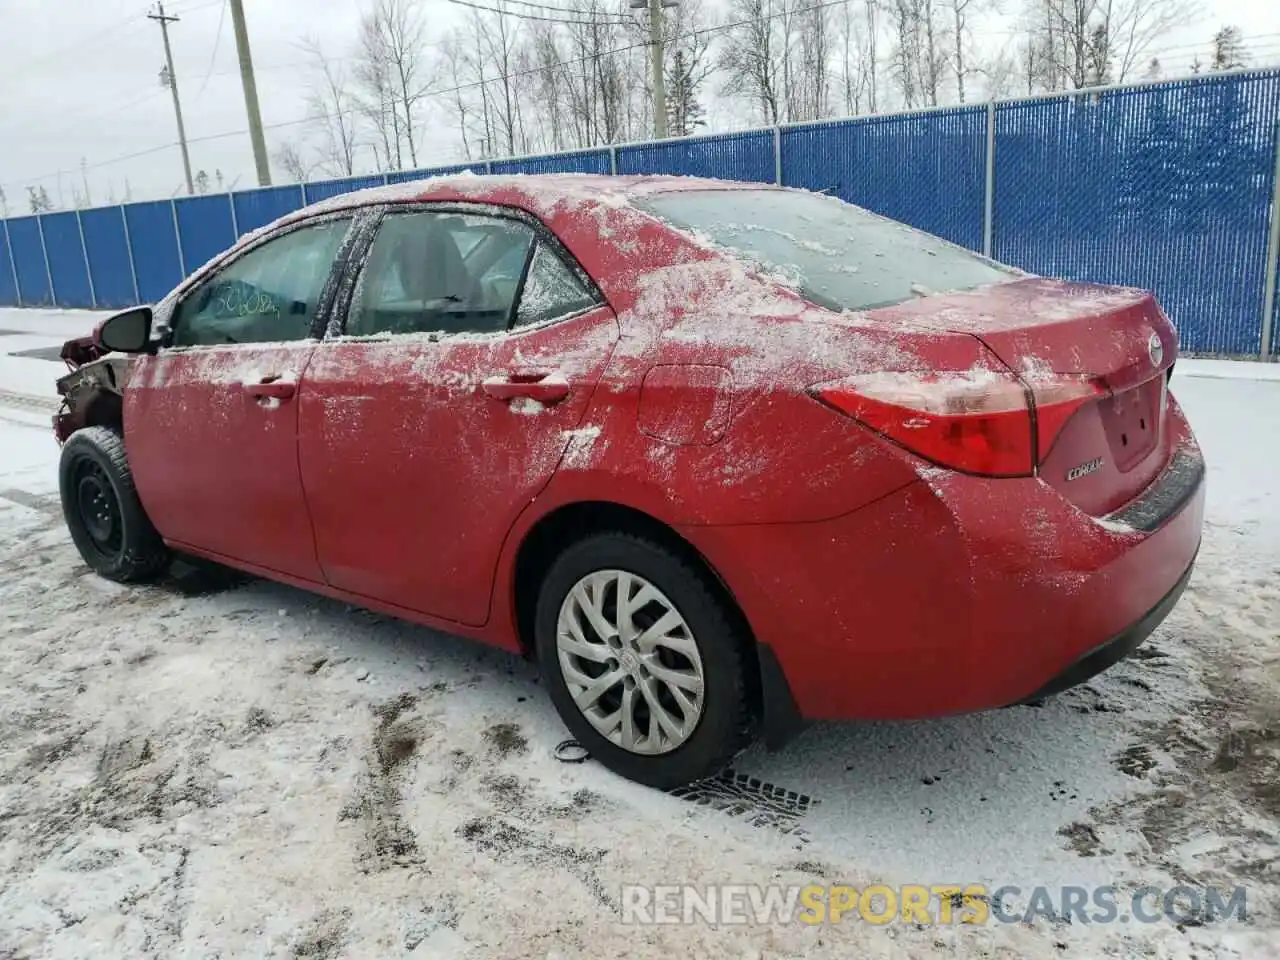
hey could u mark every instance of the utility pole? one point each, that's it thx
(170, 79)
(656, 79)
(250, 94)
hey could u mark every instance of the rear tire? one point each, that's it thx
(693, 672)
(103, 513)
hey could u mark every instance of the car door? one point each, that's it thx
(481, 343)
(211, 420)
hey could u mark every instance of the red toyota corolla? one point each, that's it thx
(721, 457)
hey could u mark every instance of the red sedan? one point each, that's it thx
(721, 457)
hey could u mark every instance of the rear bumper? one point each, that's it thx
(959, 593)
(1114, 650)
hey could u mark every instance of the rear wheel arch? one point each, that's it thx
(568, 524)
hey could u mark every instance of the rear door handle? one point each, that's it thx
(545, 388)
(273, 388)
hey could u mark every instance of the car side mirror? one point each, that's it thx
(127, 332)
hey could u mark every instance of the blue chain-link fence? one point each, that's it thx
(1166, 186)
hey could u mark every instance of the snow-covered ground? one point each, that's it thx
(218, 766)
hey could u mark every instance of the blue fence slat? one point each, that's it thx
(1165, 188)
(925, 169)
(108, 250)
(587, 161)
(257, 208)
(405, 176)
(731, 156)
(325, 189)
(67, 268)
(8, 282)
(28, 258)
(204, 228)
(155, 248)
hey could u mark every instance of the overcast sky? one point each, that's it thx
(80, 79)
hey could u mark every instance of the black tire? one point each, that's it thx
(724, 727)
(102, 510)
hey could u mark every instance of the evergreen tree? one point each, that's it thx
(684, 113)
(1228, 49)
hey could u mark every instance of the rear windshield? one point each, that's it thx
(837, 255)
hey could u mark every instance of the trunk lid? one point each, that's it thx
(1111, 448)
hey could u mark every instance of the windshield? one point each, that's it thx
(837, 255)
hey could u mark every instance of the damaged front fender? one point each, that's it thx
(93, 392)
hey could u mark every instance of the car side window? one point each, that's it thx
(551, 289)
(435, 272)
(272, 293)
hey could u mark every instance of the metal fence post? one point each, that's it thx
(613, 159)
(88, 270)
(177, 236)
(48, 270)
(488, 167)
(13, 264)
(386, 179)
(989, 187)
(1273, 256)
(777, 155)
(235, 221)
(133, 267)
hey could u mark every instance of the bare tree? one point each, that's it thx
(288, 159)
(813, 78)
(393, 42)
(1133, 27)
(751, 58)
(959, 13)
(856, 34)
(332, 109)
(1088, 42)
(376, 99)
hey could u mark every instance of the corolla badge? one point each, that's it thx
(1086, 468)
(1156, 349)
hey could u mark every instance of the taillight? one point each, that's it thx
(1057, 398)
(983, 422)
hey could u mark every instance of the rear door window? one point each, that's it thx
(438, 272)
(551, 289)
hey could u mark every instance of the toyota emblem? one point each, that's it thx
(1156, 349)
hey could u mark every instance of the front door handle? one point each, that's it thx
(545, 388)
(271, 388)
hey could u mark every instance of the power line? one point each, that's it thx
(217, 42)
(533, 16)
(546, 6)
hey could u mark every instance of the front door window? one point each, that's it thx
(270, 294)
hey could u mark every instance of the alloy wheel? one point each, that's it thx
(630, 661)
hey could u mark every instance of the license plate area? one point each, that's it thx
(1131, 420)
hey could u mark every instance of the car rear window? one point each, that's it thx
(837, 255)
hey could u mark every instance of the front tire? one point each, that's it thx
(102, 510)
(642, 660)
